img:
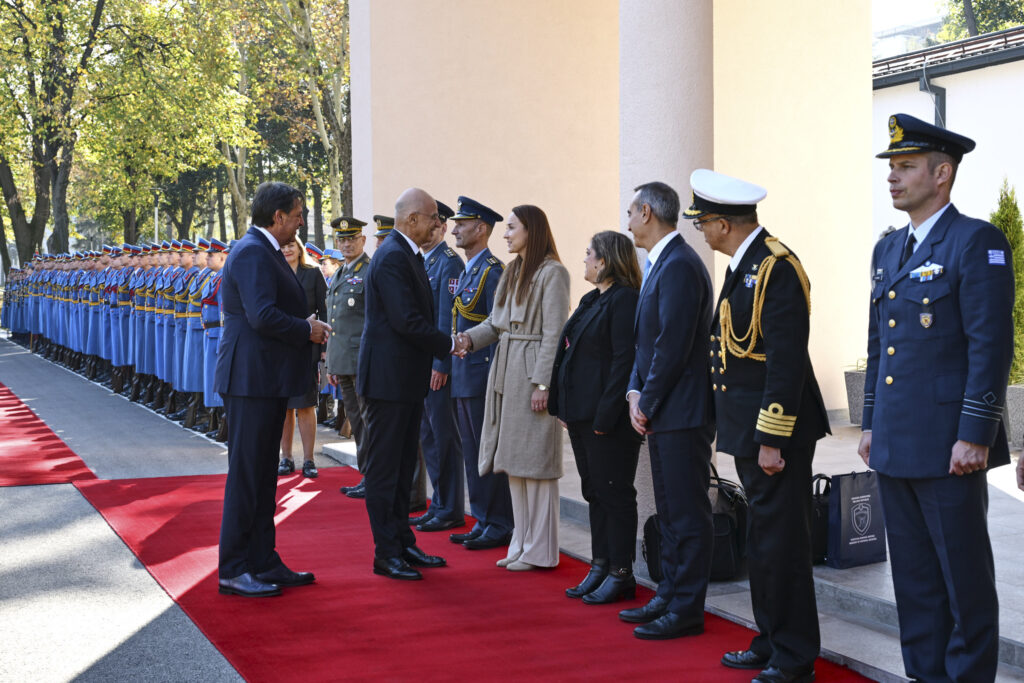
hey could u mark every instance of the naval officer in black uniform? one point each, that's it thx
(940, 343)
(770, 415)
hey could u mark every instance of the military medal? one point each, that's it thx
(351, 301)
(927, 319)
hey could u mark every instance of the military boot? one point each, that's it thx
(214, 425)
(116, 380)
(222, 429)
(135, 390)
(191, 411)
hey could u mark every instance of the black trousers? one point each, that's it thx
(607, 466)
(354, 412)
(944, 576)
(391, 442)
(681, 472)
(779, 559)
(247, 537)
(442, 453)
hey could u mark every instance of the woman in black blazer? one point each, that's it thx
(302, 409)
(588, 395)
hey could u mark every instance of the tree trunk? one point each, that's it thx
(130, 221)
(28, 235)
(318, 216)
(58, 241)
(5, 255)
(345, 162)
(970, 19)
(220, 213)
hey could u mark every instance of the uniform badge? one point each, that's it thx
(453, 283)
(895, 131)
(351, 302)
(879, 273)
(996, 257)
(927, 318)
(929, 271)
(749, 281)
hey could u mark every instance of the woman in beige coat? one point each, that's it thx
(519, 437)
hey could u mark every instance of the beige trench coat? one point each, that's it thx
(516, 440)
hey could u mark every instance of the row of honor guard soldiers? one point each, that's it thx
(141, 319)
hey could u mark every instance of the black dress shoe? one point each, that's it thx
(648, 613)
(485, 542)
(309, 470)
(773, 675)
(468, 536)
(744, 659)
(356, 492)
(346, 489)
(669, 625)
(616, 586)
(247, 586)
(286, 467)
(418, 558)
(395, 568)
(283, 576)
(593, 579)
(436, 524)
(421, 519)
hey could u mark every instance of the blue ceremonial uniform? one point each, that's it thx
(211, 322)
(192, 360)
(490, 502)
(181, 296)
(940, 344)
(439, 437)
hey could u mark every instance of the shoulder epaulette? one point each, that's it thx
(493, 260)
(448, 252)
(358, 266)
(777, 248)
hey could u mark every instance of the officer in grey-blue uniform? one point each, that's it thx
(490, 502)
(439, 437)
(940, 344)
(211, 321)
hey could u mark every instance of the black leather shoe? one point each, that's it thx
(436, 524)
(283, 576)
(616, 586)
(468, 536)
(593, 579)
(395, 568)
(669, 625)
(485, 542)
(773, 675)
(744, 659)
(287, 466)
(357, 492)
(247, 586)
(648, 613)
(417, 558)
(309, 470)
(346, 489)
(421, 519)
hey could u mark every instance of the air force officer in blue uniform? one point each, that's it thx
(940, 343)
(263, 359)
(670, 401)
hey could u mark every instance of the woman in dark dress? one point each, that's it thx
(302, 409)
(588, 395)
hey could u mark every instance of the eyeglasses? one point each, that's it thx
(430, 216)
(699, 223)
(350, 238)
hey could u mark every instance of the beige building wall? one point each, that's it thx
(505, 102)
(793, 113)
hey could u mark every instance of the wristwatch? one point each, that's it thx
(542, 387)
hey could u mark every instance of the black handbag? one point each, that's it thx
(650, 548)
(730, 528)
(821, 485)
(856, 530)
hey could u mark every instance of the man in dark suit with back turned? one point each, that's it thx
(770, 417)
(400, 337)
(670, 401)
(263, 358)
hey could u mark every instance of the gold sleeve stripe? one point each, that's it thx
(774, 421)
(775, 431)
(761, 419)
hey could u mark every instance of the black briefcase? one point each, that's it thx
(856, 530)
(821, 486)
(730, 524)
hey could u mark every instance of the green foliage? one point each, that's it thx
(991, 15)
(1008, 219)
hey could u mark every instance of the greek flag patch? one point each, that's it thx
(996, 257)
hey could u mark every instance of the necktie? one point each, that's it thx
(647, 269)
(908, 250)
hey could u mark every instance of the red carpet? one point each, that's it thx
(30, 453)
(470, 621)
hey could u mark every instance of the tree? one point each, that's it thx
(1007, 218)
(965, 18)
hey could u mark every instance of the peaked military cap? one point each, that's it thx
(469, 208)
(347, 226)
(334, 254)
(715, 192)
(189, 245)
(314, 251)
(444, 211)
(203, 244)
(165, 246)
(216, 246)
(385, 224)
(910, 135)
(106, 248)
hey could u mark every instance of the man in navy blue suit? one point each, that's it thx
(940, 344)
(670, 402)
(400, 338)
(263, 358)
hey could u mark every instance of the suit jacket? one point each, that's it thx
(476, 290)
(672, 327)
(346, 307)
(314, 288)
(400, 334)
(755, 400)
(940, 344)
(594, 359)
(444, 267)
(264, 347)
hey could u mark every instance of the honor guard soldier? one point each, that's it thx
(770, 416)
(187, 271)
(439, 437)
(211, 320)
(940, 344)
(385, 224)
(192, 358)
(346, 313)
(490, 501)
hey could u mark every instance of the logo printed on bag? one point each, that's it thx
(861, 517)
